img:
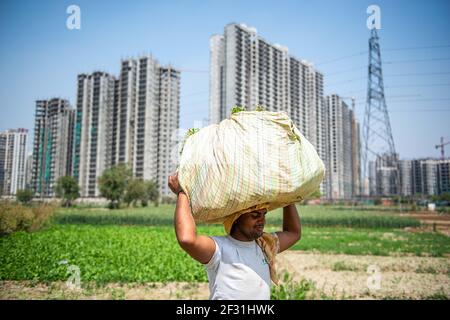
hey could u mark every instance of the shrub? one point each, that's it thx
(12, 216)
(42, 215)
(291, 290)
(67, 188)
(24, 196)
(16, 217)
(168, 200)
(152, 192)
(113, 182)
(134, 191)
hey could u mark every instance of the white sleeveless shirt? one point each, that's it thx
(238, 270)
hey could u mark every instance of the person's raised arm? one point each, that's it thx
(292, 228)
(201, 248)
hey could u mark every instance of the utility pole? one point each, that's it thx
(441, 145)
(378, 142)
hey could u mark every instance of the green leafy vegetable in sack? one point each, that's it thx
(189, 133)
(237, 109)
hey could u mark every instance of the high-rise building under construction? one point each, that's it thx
(53, 143)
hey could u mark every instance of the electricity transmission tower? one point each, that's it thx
(380, 161)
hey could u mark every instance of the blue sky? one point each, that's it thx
(40, 58)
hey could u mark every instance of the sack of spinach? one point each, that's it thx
(254, 160)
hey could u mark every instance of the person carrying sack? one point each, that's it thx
(240, 265)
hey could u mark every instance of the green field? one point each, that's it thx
(139, 245)
(314, 216)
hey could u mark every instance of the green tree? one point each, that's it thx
(68, 189)
(113, 182)
(24, 196)
(152, 193)
(134, 191)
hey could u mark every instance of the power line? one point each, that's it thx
(389, 49)
(387, 62)
(401, 86)
(194, 70)
(342, 58)
(417, 74)
(194, 94)
(415, 60)
(420, 85)
(346, 70)
(394, 75)
(412, 100)
(346, 81)
(347, 93)
(422, 110)
(418, 48)
(394, 96)
(202, 115)
(417, 100)
(197, 101)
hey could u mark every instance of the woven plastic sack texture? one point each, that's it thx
(254, 160)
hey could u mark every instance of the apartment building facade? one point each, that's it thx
(53, 144)
(145, 117)
(247, 70)
(343, 174)
(13, 159)
(93, 148)
(425, 177)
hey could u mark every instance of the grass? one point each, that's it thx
(103, 254)
(139, 244)
(352, 217)
(110, 253)
(149, 216)
(343, 266)
(381, 242)
(291, 290)
(311, 216)
(440, 295)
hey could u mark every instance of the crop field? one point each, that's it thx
(317, 216)
(133, 253)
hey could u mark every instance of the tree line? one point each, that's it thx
(116, 184)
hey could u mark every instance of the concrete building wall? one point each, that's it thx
(53, 143)
(146, 117)
(13, 153)
(216, 77)
(405, 170)
(169, 119)
(247, 70)
(93, 130)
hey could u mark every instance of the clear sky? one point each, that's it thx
(40, 58)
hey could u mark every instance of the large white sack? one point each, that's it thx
(256, 159)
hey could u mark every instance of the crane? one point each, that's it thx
(353, 102)
(441, 145)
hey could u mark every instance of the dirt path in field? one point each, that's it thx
(431, 220)
(369, 277)
(25, 290)
(331, 276)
